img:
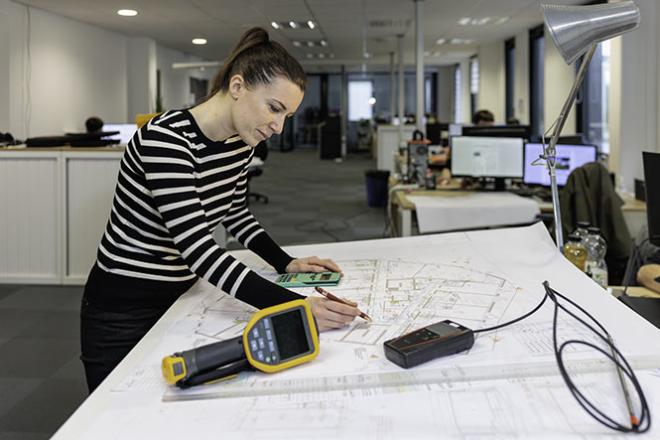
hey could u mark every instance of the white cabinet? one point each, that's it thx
(54, 205)
(388, 144)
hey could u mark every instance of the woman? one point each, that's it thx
(183, 174)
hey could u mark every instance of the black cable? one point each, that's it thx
(638, 425)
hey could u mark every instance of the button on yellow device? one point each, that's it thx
(275, 338)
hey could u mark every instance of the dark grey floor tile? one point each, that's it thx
(14, 389)
(31, 357)
(14, 435)
(14, 321)
(44, 298)
(71, 370)
(46, 408)
(55, 325)
(7, 289)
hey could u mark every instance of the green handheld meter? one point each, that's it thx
(275, 338)
(440, 339)
(308, 279)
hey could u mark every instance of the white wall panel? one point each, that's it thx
(90, 186)
(491, 80)
(30, 219)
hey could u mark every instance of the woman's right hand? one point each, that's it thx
(332, 314)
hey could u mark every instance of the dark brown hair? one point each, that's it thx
(258, 60)
(483, 116)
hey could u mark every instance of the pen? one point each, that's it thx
(634, 421)
(332, 297)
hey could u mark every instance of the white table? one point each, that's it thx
(507, 385)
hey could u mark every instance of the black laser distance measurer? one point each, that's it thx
(436, 340)
(308, 279)
(275, 338)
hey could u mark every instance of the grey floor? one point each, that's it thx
(41, 377)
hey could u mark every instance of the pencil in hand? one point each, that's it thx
(335, 298)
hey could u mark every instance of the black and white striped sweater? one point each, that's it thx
(175, 186)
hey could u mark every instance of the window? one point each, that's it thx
(458, 110)
(360, 103)
(536, 80)
(510, 79)
(593, 100)
(474, 85)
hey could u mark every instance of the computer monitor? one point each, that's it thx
(510, 131)
(486, 157)
(126, 132)
(455, 130)
(652, 180)
(571, 139)
(569, 157)
(434, 132)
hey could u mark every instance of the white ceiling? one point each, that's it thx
(343, 23)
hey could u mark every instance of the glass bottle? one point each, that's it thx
(582, 230)
(596, 247)
(575, 252)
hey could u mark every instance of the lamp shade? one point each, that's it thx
(575, 28)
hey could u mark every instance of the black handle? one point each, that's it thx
(213, 356)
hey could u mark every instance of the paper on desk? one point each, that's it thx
(505, 386)
(472, 210)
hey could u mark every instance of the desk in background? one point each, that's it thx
(402, 209)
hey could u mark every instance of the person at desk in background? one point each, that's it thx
(93, 124)
(648, 275)
(182, 174)
(483, 118)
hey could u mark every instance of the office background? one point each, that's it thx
(62, 61)
(56, 70)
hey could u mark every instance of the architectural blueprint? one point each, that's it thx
(506, 386)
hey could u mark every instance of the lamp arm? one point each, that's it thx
(549, 150)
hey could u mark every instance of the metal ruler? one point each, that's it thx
(399, 380)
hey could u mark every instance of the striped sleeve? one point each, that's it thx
(169, 173)
(246, 229)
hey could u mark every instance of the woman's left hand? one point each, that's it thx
(312, 264)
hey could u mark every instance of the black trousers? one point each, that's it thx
(106, 337)
(116, 312)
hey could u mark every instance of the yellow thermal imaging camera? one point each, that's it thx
(275, 338)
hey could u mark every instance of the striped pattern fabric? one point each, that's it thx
(175, 186)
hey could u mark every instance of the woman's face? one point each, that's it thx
(260, 112)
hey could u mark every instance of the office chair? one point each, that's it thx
(261, 152)
(589, 196)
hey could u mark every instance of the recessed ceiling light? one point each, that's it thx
(311, 24)
(372, 101)
(310, 44)
(275, 24)
(199, 41)
(293, 24)
(127, 12)
(309, 55)
(324, 43)
(502, 20)
(296, 43)
(464, 21)
(440, 41)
